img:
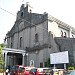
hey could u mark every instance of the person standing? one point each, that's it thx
(7, 70)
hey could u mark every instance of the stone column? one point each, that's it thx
(27, 59)
(3, 55)
(23, 58)
(70, 33)
(5, 59)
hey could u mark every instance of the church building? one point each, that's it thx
(34, 37)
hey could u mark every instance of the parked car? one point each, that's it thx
(40, 71)
(58, 71)
(21, 70)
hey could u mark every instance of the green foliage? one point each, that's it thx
(2, 45)
(2, 70)
(1, 57)
(71, 68)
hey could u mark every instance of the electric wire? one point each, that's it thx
(21, 18)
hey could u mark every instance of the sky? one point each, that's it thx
(63, 10)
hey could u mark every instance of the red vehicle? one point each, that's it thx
(21, 70)
(40, 71)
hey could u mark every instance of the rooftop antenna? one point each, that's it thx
(27, 3)
(22, 0)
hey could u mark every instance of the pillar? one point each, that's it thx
(23, 58)
(3, 55)
(5, 59)
(27, 59)
(70, 33)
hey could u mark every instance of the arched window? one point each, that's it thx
(36, 37)
(21, 42)
(72, 36)
(21, 14)
(65, 34)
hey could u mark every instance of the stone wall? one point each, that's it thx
(67, 44)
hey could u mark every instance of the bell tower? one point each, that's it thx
(24, 9)
(29, 7)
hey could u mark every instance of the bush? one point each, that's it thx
(2, 70)
(71, 68)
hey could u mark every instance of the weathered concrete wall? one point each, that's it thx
(67, 44)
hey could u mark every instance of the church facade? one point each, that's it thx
(34, 37)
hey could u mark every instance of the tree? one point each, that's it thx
(1, 57)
